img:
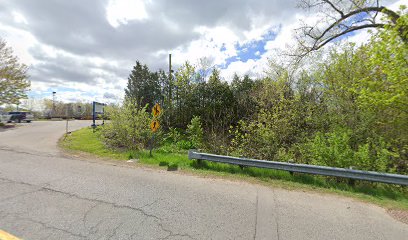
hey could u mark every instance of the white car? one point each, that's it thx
(4, 117)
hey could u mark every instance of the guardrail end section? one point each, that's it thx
(191, 154)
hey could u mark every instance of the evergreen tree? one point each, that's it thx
(143, 86)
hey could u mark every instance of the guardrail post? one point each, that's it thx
(351, 181)
(192, 155)
(291, 161)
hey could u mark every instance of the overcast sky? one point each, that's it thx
(85, 49)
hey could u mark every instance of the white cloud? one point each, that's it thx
(394, 5)
(360, 37)
(122, 11)
(253, 68)
(240, 68)
(20, 41)
(208, 46)
(19, 18)
(38, 87)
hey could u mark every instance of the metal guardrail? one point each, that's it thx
(304, 168)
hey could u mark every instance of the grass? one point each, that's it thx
(84, 140)
(388, 196)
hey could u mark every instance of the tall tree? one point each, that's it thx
(143, 86)
(134, 85)
(185, 77)
(242, 89)
(219, 103)
(13, 76)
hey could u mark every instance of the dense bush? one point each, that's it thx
(173, 135)
(195, 132)
(335, 149)
(128, 126)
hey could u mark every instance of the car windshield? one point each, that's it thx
(19, 113)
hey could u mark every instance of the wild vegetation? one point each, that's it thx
(347, 108)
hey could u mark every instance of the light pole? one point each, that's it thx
(53, 104)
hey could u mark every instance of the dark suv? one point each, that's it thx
(21, 116)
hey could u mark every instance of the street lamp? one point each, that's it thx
(53, 104)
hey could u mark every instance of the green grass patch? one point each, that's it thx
(89, 141)
(389, 196)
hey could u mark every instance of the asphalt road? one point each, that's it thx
(44, 195)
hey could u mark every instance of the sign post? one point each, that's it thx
(97, 108)
(155, 124)
(67, 116)
(156, 110)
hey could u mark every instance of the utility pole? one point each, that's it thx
(67, 116)
(170, 89)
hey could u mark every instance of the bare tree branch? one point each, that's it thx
(334, 7)
(377, 25)
(394, 17)
(354, 16)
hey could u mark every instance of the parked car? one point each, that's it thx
(4, 117)
(21, 116)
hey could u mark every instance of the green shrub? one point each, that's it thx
(195, 132)
(332, 149)
(284, 155)
(183, 144)
(173, 135)
(128, 126)
(335, 149)
(255, 140)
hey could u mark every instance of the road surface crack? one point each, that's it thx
(40, 154)
(84, 219)
(37, 188)
(150, 204)
(114, 231)
(102, 201)
(45, 225)
(277, 213)
(171, 234)
(256, 212)
(19, 195)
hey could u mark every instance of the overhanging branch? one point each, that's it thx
(352, 29)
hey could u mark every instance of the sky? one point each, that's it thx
(84, 50)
